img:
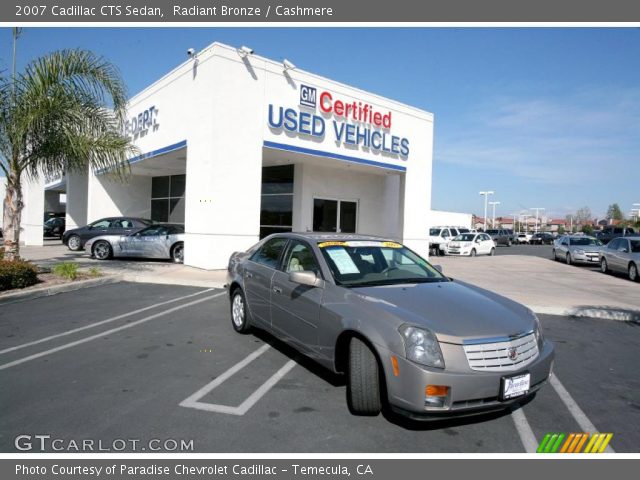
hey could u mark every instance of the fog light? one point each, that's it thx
(436, 395)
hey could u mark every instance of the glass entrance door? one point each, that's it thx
(334, 215)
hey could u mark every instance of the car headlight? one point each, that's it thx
(421, 346)
(579, 251)
(537, 331)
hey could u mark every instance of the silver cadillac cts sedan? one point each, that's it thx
(406, 336)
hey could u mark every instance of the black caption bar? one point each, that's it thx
(334, 469)
(265, 11)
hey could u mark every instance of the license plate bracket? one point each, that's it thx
(514, 386)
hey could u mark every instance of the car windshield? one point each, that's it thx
(584, 242)
(434, 232)
(51, 221)
(635, 246)
(465, 237)
(463, 230)
(375, 263)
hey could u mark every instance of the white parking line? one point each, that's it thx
(102, 322)
(193, 400)
(580, 417)
(527, 436)
(107, 332)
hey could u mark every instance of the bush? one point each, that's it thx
(68, 270)
(95, 272)
(17, 274)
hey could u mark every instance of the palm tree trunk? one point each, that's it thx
(13, 206)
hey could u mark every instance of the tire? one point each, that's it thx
(101, 250)
(568, 259)
(492, 252)
(239, 313)
(555, 257)
(633, 272)
(509, 243)
(473, 252)
(363, 383)
(604, 268)
(177, 252)
(74, 243)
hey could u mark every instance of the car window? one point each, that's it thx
(101, 224)
(465, 237)
(269, 253)
(623, 244)
(299, 257)
(122, 223)
(445, 233)
(613, 244)
(176, 229)
(434, 232)
(635, 246)
(154, 231)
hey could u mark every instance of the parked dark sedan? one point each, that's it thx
(543, 238)
(54, 227)
(76, 238)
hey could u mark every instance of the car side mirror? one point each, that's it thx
(304, 277)
(438, 268)
(624, 250)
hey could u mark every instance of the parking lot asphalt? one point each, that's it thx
(118, 362)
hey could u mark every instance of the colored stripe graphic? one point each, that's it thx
(552, 442)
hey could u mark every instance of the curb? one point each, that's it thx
(127, 277)
(602, 313)
(48, 291)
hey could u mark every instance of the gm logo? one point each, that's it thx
(307, 96)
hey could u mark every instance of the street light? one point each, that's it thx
(486, 196)
(537, 209)
(493, 221)
(525, 216)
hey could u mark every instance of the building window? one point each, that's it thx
(276, 208)
(167, 198)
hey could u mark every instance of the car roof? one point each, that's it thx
(328, 236)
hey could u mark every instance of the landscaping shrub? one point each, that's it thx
(17, 274)
(68, 270)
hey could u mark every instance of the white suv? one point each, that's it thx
(439, 238)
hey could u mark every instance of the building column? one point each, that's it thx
(77, 199)
(33, 211)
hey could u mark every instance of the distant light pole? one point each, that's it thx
(537, 209)
(493, 221)
(486, 196)
(526, 224)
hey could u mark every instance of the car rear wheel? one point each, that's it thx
(74, 243)
(509, 243)
(177, 252)
(568, 259)
(473, 252)
(239, 313)
(363, 387)
(633, 272)
(102, 250)
(604, 268)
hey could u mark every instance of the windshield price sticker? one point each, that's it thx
(343, 261)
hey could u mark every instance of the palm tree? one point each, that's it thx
(65, 112)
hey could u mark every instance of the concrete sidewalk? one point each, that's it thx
(542, 284)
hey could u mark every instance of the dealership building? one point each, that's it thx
(237, 146)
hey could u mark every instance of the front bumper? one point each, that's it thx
(470, 392)
(588, 258)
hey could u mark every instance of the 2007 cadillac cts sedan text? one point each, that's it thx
(405, 335)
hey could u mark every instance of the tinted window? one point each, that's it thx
(623, 244)
(300, 257)
(269, 253)
(635, 246)
(101, 224)
(613, 244)
(154, 231)
(434, 232)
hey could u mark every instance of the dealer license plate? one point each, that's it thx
(515, 386)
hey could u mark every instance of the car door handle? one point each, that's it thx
(277, 290)
(248, 275)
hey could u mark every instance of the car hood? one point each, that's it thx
(454, 311)
(586, 248)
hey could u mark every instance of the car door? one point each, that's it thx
(151, 242)
(257, 276)
(486, 244)
(295, 308)
(101, 227)
(622, 255)
(563, 248)
(609, 253)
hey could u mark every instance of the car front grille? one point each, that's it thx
(495, 357)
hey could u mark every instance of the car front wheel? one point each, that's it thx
(568, 259)
(239, 313)
(633, 272)
(473, 252)
(604, 268)
(493, 251)
(363, 387)
(102, 250)
(74, 243)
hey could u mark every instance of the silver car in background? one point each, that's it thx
(577, 249)
(622, 255)
(406, 336)
(160, 241)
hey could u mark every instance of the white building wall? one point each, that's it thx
(77, 200)
(33, 212)
(454, 219)
(110, 197)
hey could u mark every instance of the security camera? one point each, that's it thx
(244, 51)
(191, 53)
(288, 65)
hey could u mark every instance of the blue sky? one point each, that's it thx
(545, 117)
